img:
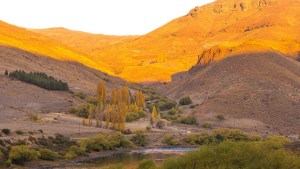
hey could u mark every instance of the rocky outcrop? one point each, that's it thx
(223, 6)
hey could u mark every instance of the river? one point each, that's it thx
(127, 159)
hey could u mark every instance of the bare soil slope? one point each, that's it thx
(80, 78)
(260, 86)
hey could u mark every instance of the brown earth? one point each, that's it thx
(259, 87)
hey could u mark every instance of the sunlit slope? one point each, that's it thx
(233, 26)
(85, 42)
(21, 38)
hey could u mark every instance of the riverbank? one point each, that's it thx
(111, 154)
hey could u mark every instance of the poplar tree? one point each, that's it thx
(108, 115)
(113, 96)
(153, 115)
(101, 93)
(91, 112)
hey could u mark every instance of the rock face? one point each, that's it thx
(224, 6)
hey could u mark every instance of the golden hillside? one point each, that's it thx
(232, 26)
(82, 41)
(24, 39)
(211, 32)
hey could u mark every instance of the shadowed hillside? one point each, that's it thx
(79, 77)
(260, 86)
(232, 26)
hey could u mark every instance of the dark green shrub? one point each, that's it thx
(185, 101)
(21, 154)
(6, 131)
(133, 116)
(140, 138)
(190, 120)
(48, 155)
(233, 135)
(19, 132)
(207, 125)
(172, 112)
(200, 139)
(147, 164)
(168, 117)
(192, 106)
(170, 140)
(220, 117)
(92, 100)
(165, 105)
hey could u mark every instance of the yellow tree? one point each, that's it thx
(108, 115)
(90, 116)
(99, 115)
(153, 115)
(113, 96)
(101, 93)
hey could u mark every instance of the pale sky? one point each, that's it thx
(113, 17)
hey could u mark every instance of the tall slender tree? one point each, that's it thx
(153, 115)
(101, 93)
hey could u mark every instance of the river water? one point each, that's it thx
(129, 159)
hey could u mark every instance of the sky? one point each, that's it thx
(111, 17)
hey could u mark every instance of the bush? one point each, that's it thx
(48, 155)
(21, 154)
(132, 116)
(6, 73)
(160, 124)
(35, 117)
(79, 95)
(233, 135)
(190, 120)
(72, 110)
(220, 117)
(81, 111)
(140, 138)
(170, 140)
(165, 105)
(192, 106)
(172, 112)
(19, 132)
(168, 117)
(200, 139)
(185, 101)
(235, 155)
(6, 131)
(147, 164)
(104, 142)
(148, 128)
(92, 100)
(207, 125)
(75, 151)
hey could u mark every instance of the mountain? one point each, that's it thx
(82, 41)
(256, 86)
(24, 39)
(212, 32)
(19, 97)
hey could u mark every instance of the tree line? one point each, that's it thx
(115, 111)
(39, 79)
